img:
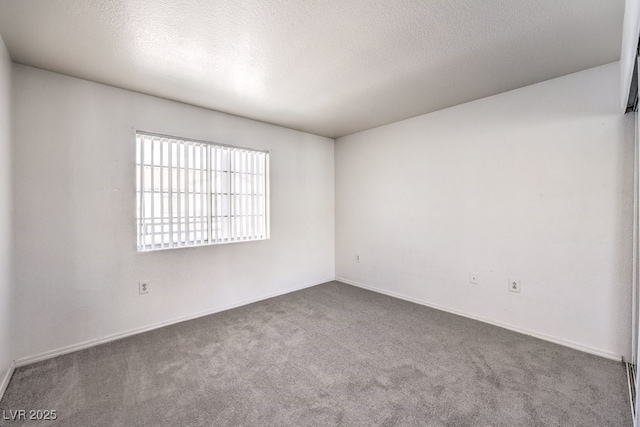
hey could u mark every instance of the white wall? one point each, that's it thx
(76, 264)
(533, 184)
(6, 288)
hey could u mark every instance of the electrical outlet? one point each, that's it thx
(514, 285)
(357, 258)
(474, 278)
(143, 287)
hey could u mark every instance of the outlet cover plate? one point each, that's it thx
(514, 285)
(143, 287)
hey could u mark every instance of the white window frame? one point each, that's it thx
(226, 199)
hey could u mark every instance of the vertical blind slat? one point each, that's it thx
(254, 177)
(152, 197)
(187, 216)
(209, 192)
(218, 220)
(202, 190)
(252, 230)
(229, 198)
(243, 192)
(178, 190)
(266, 198)
(162, 193)
(170, 194)
(142, 210)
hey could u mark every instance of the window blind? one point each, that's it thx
(193, 193)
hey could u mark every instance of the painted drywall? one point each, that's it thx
(307, 64)
(76, 263)
(630, 34)
(6, 288)
(533, 184)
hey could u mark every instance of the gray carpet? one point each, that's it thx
(328, 355)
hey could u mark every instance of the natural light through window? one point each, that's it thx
(193, 193)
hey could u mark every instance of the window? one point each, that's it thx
(194, 193)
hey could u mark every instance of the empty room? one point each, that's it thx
(279, 213)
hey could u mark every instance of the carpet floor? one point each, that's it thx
(330, 355)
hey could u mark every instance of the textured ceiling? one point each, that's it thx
(322, 66)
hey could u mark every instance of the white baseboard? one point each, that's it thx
(5, 380)
(107, 338)
(555, 340)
